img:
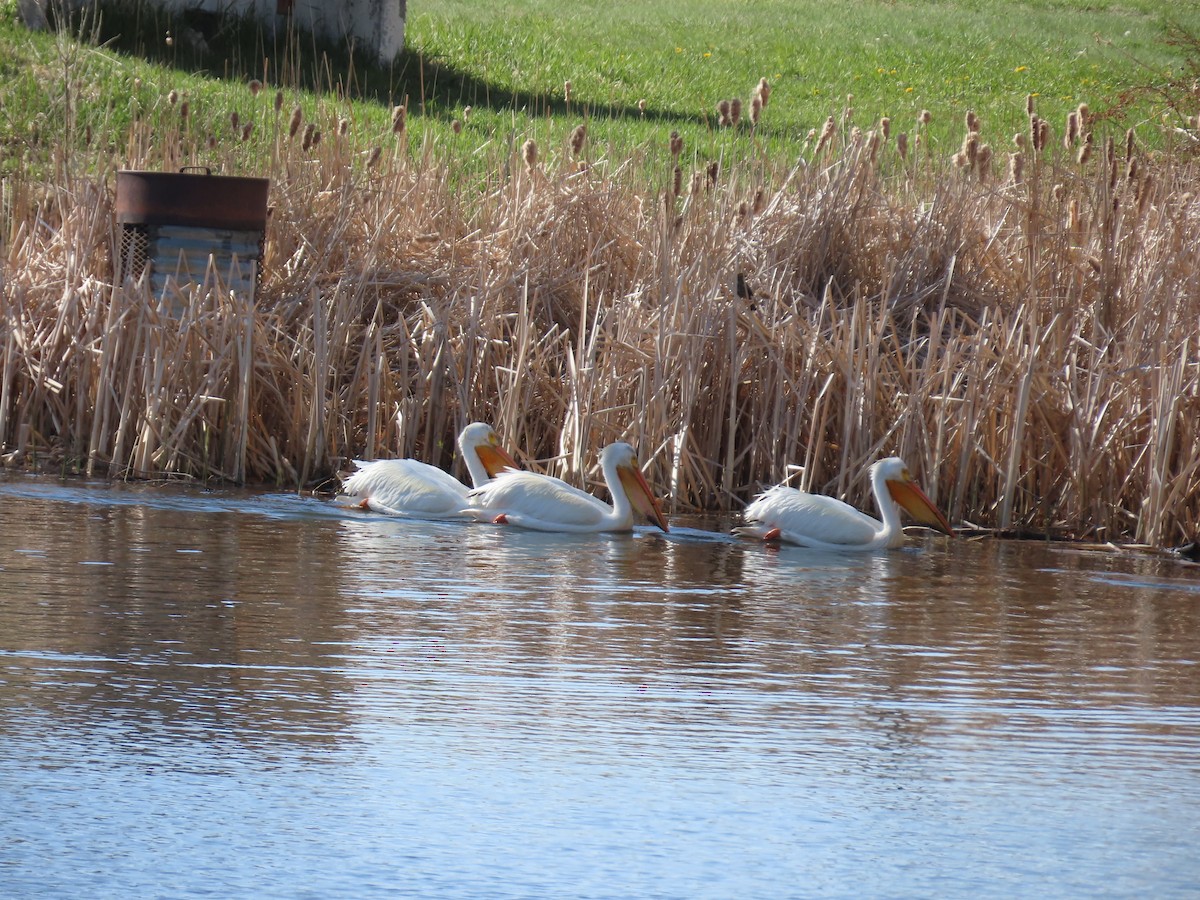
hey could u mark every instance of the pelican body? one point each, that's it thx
(814, 520)
(409, 487)
(545, 503)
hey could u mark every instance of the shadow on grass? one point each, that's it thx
(233, 47)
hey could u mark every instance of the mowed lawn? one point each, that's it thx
(895, 58)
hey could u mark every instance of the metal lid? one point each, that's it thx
(192, 198)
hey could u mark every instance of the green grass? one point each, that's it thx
(509, 62)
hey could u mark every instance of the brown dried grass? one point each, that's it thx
(1029, 347)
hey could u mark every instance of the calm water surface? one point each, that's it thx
(238, 694)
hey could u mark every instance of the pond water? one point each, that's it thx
(236, 694)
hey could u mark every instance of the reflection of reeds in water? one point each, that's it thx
(1025, 340)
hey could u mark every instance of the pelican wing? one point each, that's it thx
(537, 501)
(811, 520)
(406, 487)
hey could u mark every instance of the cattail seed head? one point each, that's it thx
(1029, 105)
(675, 144)
(294, 125)
(764, 91)
(234, 120)
(373, 159)
(713, 171)
(735, 111)
(696, 183)
(970, 147)
(456, 126)
(1131, 169)
(212, 142)
(1082, 112)
(1043, 135)
(466, 113)
(343, 127)
(885, 126)
(972, 121)
(1072, 133)
(247, 130)
(1016, 167)
(755, 109)
(723, 113)
(676, 181)
(173, 97)
(399, 119)
(983, 161)
(1085, 152)
(309, 131)
(925, 117)
(255, 87)
(278, 101)
(1059, 192)
(1129, 144)
(760, 201)
(567, 91)
(827, 132)
(642, 107)
(578, 136)
(529, 152)
(1019, 139)
(902, 144)
(184, 109)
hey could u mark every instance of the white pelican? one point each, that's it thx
(409, 487)
(826, 523)
(545, 503)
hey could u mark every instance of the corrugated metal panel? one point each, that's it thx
(181, 257)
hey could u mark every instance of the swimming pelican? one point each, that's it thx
(544, 503)
(826, 523)
(409, 487)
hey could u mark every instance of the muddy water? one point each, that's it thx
(256, 694)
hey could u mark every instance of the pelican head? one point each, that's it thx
(903, 489)
(620, 459)
(480, 441)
